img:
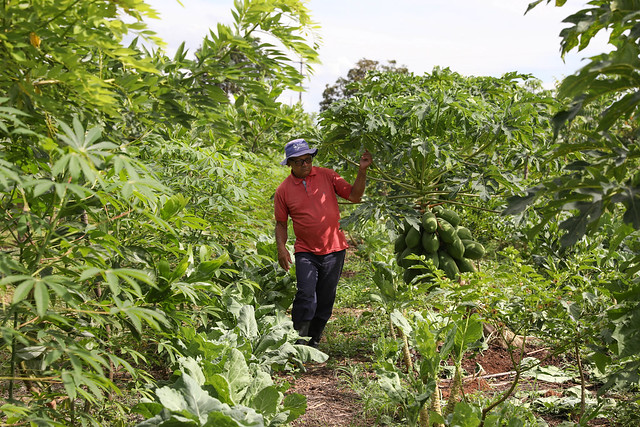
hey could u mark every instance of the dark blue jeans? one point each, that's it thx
(317, 277)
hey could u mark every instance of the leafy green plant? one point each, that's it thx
(437, 138)
(596, 132)
(121, 178)
(224, 373)
(207, 398)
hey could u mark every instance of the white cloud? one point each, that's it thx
(189, 23)
(473, 37)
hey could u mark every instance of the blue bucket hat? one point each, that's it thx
(297, 148)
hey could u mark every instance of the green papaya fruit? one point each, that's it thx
(399, 245)
(450, 216)
(465, 265)
(430, 242)
(413, 238)
(448, 265)
(429, 222)
(446, 231)
(472, 249)
(456, 248)
(464, 232)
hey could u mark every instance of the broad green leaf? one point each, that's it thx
(266, 401)
(401, 322)
(247, 324)
(187, 397)
(23, 289)
(601, 360)
(191, 367)
(517, 204)
(238, 375)
(31, 352)
(219, 419)
(465, 415)
(221, 386)
(392, 386)
(147, 409)
(576, 226)
(296, 404)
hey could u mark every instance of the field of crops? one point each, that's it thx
(492, 278)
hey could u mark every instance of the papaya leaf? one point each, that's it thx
(517, 204)
(576, 226)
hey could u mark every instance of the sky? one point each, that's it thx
(471, 37)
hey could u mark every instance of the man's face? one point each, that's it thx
(301, 166)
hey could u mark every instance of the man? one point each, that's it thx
(309, 197)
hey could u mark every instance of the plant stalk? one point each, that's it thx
(405, 351)
(582, 383)
(507, 393)
(13, 357)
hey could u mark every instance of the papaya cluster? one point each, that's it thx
(441, 238)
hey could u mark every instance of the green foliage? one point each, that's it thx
(437, 138)
(223, 373)
(597, 192)
(345, 87)
(132, 206)
(601, 171)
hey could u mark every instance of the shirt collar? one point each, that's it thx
(297, 180)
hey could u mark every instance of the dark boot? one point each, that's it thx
(303, 331)
(315, 331)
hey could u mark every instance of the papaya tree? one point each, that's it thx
(441, 137)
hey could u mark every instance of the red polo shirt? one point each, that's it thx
(313, 210)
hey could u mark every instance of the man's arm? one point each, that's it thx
(357, 189)
(284, 258)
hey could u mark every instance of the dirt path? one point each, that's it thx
(329, 403)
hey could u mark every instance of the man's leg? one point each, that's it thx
(329, 273)
(305, 302)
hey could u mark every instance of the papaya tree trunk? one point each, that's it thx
(435, 404)
(406, 354)
(455, 391)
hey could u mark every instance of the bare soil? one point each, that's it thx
(330, 402)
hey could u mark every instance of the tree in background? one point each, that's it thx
(343, 89)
